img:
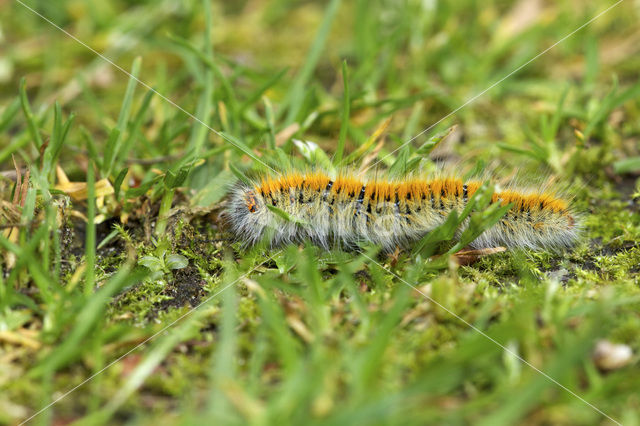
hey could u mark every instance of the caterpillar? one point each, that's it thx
(347, 211)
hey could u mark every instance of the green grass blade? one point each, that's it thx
(199, 132)
(627, 165)
(32, 125)
(223, 358)
(259, 93)
(297, 92)
(114, 145)
(9, 114)
(87, 320)
(344, 126)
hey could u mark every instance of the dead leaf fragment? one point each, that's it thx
(467, 257)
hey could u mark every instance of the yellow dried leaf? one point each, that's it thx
(78, 190)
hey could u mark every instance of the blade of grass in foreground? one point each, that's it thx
(223, 358)
(87, 320)
(368, 363)
(27, 257)
(155, 355)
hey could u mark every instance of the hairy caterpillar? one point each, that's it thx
(347, 210)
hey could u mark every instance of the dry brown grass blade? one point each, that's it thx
(22, 185)
(367, 145)
(285, 134)
(12, 211)
(18, 181)
(25, 187)
(300, 328)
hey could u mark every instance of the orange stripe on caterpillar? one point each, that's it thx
(347, 210)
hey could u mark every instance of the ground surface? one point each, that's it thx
(118, 244)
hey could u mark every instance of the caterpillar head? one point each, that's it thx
(247, 214)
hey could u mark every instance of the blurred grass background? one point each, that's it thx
(111, 198)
